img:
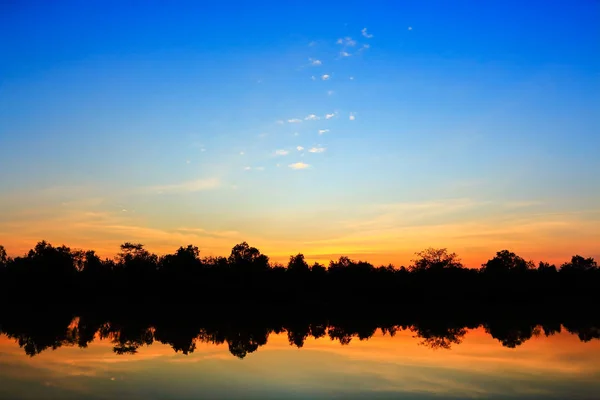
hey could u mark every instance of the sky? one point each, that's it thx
(373, 129)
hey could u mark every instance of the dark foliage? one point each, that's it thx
(436, 277)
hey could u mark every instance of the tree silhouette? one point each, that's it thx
(506, 261)
(435, 260)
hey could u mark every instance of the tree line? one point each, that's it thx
(247, 276)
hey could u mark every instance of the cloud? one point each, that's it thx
(260, 168)
(329, 116)
(410, 28)
(347, 41)
(344, 54)
(330, 92)
(187, 161)
(317, 150)
(242, 153)
(366, 34)
(315, 62)
(325, 77)
(311, 117)
(352, 117)
(322, 131)
(281, 152)
(314, 78)
(351, 78)
(299, 148)
(294, 121)
(299, 165)
(247, 168)
(189, 186)
(279, 122)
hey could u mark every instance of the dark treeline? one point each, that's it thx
(436, 277)
(37, 329)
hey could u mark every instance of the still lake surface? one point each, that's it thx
(560, 366)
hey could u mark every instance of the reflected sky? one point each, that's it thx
(382, 367)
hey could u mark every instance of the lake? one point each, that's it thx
(476, 362)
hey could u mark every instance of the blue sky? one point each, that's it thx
(166, 123)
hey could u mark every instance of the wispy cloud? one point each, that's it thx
(189, 186)
(344, 54)
(315, 62)
(366, 34)
(352, 117)
(322, 131)
(247, 168)
(299, 148)
(329, 116)
(311, 117)
(317, 150)
(281, 152)
(325, 77)
(260, 168)
(299, 165)
(347, 41)
(330, 93)
(294, 120)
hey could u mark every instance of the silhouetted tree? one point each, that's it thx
(435, 259)
(506, 261)
(580, 264)
(297, 264)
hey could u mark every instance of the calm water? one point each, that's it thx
(559, 366)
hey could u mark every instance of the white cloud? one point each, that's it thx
(281, 152)
(241, 153)
(299, 165)
(347, 41)
(322, 131)
(299, 148)
(344, 54)
(352, 117)
(325, 77)
(366, 34)
(311, 117)
(329, 116)
(315, 62)
(247, 168)
(330, 92)
(189, 186)
(294, 120)
(317, 150)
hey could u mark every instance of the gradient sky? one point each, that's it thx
(372, 129)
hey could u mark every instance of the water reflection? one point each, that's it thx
(395, 362)
(36, 332)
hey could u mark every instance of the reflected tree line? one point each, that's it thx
(56, 296)
(42, 329)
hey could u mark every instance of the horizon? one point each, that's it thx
(303, 128)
